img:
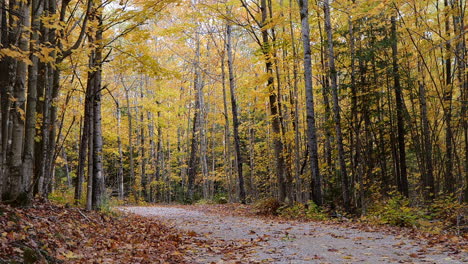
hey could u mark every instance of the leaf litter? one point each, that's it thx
(49, 233)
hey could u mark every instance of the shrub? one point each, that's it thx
(221, 200)
(396, 211)
(302, 211)
(314, 212)
(448, 210)
(267, 206)
(204, 201)
(65, 196)
(297, 210)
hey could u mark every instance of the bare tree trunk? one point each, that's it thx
(448, 94)
(4, 102)
(28, 155)
(98, 173)
(17, 190)
(83, 149)
(294, 99)
(67, 168)
(144, 179)
(403, 179)
(120, 174)
(192, 166)
(153, 157)
(130, 143)
(89, 193)
(316, 183)
(235, 119)
(227, 135)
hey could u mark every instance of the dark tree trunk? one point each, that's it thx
(448, 94)
(235, 118)
(274, 111)
(403, 178)
(336, 109)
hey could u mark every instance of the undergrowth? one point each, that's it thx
(442, 214)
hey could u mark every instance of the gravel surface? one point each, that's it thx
(294, 242)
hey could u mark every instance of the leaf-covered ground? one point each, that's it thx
(48, 233)
(277, 240)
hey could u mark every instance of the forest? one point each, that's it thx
(352, 113)
(343, 103)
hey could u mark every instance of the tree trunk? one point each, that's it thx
(403, 178)
(274, 111)
(235, 118)
(28, 155)
(98, 173)
(83, 150)
(17, 190)
(336, 108)
(448, 94)
(144, 179)
(120, 174)
(192, 165)
(227, 135)
(316, 186)
(130, 143)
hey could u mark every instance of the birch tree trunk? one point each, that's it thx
(316, 182)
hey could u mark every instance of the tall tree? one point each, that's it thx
(336, 108)
(235, 116)
(402, 177)
(316, 186)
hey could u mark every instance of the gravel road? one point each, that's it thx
(270, 241)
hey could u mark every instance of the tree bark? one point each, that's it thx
(403, 178)
(316, 182)
(17, 190)
(235, 118)
(336, 108)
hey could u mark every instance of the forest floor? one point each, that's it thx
(227, 234)
(232, 233)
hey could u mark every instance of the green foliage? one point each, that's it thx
(108, 205)
(217, 199)
(205, 201)
(314, 212)
(297, 210)
(396, 211)
(302, 211)
(65, 196)
(267, 206)
(448, 210)
(220, 198)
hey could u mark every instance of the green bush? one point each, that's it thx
(302, 211)
(295, 211)
(221, 200)
(396, 211)
(448, 210)
(314, 212)
(65, 196)
(204, 201)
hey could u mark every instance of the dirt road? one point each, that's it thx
(269, 241)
